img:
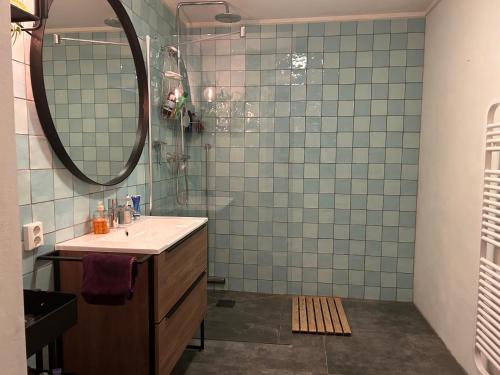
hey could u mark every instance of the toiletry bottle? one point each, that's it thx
(128, 211)
(136, 202)
(100, 222)
(169, 106)
(180, 105)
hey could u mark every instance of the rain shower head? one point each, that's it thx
(113, 22)
(228, 17)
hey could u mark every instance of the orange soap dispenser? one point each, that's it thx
(100, 222)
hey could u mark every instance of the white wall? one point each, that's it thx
(461, 78)
(12, 346)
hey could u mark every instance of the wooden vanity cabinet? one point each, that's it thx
(149, 333)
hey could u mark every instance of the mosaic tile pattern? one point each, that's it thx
(47, 191)
(93, 98)
(313, 173)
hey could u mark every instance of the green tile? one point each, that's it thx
(365, 27)
(381, 26)
(332, 28)
(381, 42)
(347, 43)
(348, 28)
(364, 42)
(399, 41)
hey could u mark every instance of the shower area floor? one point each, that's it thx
(254, 337)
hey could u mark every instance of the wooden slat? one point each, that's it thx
(311, 321)
(337, 327)
(326, 316)
(323, 315)
(343, 319)
(295, 315)
(320, 325)
(303, 314)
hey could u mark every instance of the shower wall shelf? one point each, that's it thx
(173, 75)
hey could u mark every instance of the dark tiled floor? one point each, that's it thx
(254, 337)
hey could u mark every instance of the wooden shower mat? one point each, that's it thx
(324, 315)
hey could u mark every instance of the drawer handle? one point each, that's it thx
(184, 296)
(176, 245)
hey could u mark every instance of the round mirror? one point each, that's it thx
(90, 88)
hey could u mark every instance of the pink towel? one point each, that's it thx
(108, 279)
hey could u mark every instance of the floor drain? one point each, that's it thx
(229, 303)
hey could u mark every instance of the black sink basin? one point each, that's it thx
(47, 315)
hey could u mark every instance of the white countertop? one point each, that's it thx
(148, 235)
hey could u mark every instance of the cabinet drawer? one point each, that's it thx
(177, 269)
(175, 331)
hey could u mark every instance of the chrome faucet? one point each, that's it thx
(112, 213)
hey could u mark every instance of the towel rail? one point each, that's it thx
(54, 257)
(487, 349)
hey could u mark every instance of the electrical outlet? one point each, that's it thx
(33, 235)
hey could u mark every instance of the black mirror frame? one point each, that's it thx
(42, 105)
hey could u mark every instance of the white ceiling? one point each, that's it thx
(284, 11)
(75, 15)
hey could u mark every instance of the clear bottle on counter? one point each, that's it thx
(125, 215)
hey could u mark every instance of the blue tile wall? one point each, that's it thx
(313, 170)
(313, 167)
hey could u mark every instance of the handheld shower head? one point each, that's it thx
(228, 17)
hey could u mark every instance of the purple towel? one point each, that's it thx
(108, 279)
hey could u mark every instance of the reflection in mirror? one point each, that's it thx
(91, 86)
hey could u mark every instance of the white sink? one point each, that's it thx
(149, 235)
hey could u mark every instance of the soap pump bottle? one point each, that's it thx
(100, 222)
(128, 211)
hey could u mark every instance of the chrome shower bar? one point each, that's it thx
(58, 38)
(242, 33)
